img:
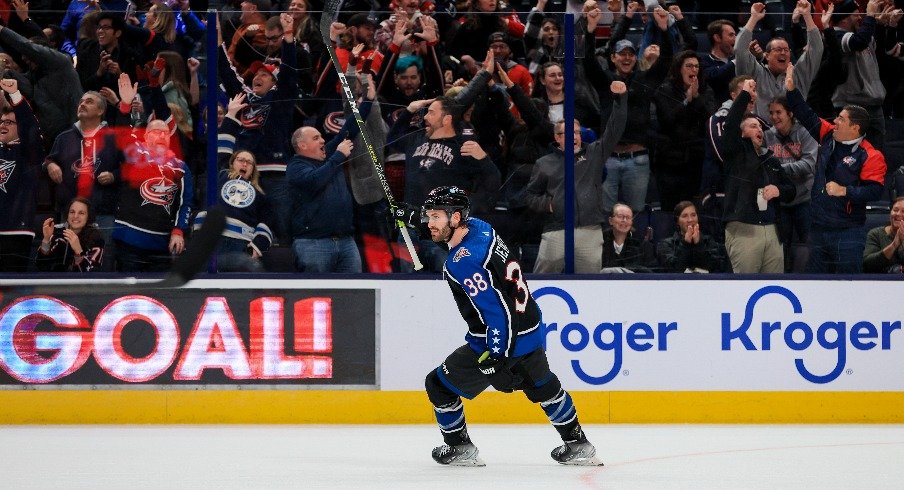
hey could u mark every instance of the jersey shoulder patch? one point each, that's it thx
(460, 254)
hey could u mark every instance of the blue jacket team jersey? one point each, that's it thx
(492, 295)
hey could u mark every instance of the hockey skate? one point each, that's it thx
(576, 454)
(459, 455)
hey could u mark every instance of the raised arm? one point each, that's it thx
(861, 38)
(529, 113)
(731, 137)
(596, 75)
(229, 130)
(615, 126)
(808, 63)
(802, 111)
(688, 38)
(746, 63)
(620, 31)
(660, 68)
(478, 84)
(534, 22)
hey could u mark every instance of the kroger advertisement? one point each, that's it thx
(688, 335)
(190, 336)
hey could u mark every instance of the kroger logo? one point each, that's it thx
(605, 336)
(799, 335)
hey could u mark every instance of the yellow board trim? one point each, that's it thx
(411, 407)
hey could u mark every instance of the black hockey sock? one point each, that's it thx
(571, 432)
(457, 437)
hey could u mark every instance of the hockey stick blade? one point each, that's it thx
(185, 267)
(329, 14)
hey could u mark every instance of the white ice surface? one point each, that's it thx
(342, 456)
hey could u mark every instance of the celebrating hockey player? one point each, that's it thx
(504, 346)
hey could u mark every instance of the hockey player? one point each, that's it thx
(504, 346)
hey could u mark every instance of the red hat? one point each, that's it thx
(257, 66)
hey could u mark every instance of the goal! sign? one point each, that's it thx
(191, 336)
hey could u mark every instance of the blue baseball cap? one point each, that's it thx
(624, 44)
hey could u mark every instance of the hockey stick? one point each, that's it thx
(329, 13)
(185, 267)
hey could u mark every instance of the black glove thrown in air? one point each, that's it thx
(501, 377)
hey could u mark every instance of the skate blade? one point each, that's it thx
(594, 461)
(475, 461)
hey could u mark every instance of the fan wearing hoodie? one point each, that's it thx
(770, 79)
(545, 192)
(792, 144)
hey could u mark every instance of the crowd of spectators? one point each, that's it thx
(730, 136)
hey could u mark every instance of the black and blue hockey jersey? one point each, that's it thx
(19, 163)
(81, 160)
(248, 212)
(267, 121)
(492, 294)
(155, 198)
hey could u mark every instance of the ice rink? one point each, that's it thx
(342, 456)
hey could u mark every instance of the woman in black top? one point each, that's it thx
(74, 246)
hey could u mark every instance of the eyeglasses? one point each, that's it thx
(694, 66)
(104, 28)
(622, 217)
(243, 160)
(8, 122)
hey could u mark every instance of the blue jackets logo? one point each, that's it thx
(160, 191)
(605, 336)
(238, 193)
(6, 171)
(800, 336)
(460, 254)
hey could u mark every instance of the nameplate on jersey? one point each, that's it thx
(501, 250)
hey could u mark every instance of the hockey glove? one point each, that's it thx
(407, 214)
(500, 377)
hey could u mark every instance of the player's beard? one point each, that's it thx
(442, 236)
